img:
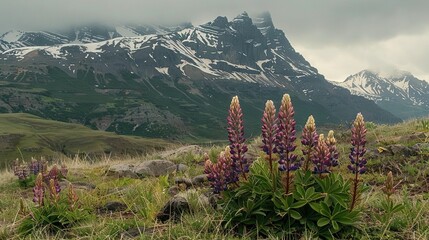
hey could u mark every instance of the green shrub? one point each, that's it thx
(52, 218)
(259, 206)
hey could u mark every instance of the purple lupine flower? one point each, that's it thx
(309, 141)
(220, 174)
(54, 189)
(357, 160)
(285, 139)
(331, 142)
(321, 156)
(269, 131)
(53, 173)
(36, 166)
(22, 172)
(236, 140)
(38, 190)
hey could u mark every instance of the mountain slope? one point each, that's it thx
(25, 135)
(175, 84)
(400, 92)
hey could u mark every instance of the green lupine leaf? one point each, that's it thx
(323, 222)
(295, 215)
(335, 225)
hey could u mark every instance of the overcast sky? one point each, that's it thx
(338, 37)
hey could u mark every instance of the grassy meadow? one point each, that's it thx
(145, 197)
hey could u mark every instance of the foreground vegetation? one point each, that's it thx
(379, 214)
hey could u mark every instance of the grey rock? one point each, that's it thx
(420, 147)
(154, 168)
(199, 180)
(122, 170)
(114, 207)
(84, 185)
(173, 209)
(401, 150)
(181, 167)
(183, 180)
(174, 190)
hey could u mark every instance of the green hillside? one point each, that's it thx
(24, 135)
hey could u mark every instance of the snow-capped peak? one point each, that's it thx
(387, 87)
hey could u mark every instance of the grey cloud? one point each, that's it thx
(361, 33)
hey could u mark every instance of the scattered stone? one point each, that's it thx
(183, 180)
(133, 233)
(420, 147)
(214, 199)
(401, 150)
(174, 190)
(136, 232)
(154, 168)
(199, 180)
(194, 149)
(84, 185)
(114, 207)
(64, 184)
(181, 167)
(173, 209)
(121, 170)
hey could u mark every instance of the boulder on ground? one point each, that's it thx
(173, 209)
(122, 170)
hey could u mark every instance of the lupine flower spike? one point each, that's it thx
(269, 131)
(309, 141)
(285, 139)
(54, 189)
(389, 189)
(321, 156)
(333, 152)
(220, 173)
(72, 196)
(236, 140)
(38, 190)
(357, 161)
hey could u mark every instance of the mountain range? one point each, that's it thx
(173, 82)
(398, 92)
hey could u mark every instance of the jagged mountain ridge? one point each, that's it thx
(398, 92)
(80, 34)
(176, 75)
